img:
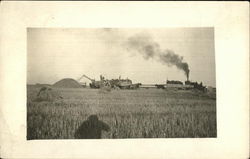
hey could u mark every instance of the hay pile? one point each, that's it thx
(67, 83)
(47, 94)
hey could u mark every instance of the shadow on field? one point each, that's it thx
(91, 128)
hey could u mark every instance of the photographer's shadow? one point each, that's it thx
(91, 128)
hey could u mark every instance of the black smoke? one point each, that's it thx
(148, 48)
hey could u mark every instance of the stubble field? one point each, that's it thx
(142, 113)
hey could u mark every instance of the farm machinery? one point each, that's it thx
(195, 85)
(113, 83)
(178, 85)
(124, 84)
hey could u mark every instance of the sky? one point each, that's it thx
(134, 53)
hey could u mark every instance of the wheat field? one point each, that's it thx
(142, 113)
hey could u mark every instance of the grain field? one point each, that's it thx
(142, 113)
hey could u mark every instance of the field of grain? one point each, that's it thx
(142, 113)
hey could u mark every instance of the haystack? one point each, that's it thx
(47, 94)
(67, 83)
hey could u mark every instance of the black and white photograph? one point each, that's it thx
(120, 79)
(116, 83)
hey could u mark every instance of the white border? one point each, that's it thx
(231, 23)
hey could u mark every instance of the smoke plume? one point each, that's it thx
(148, 48)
